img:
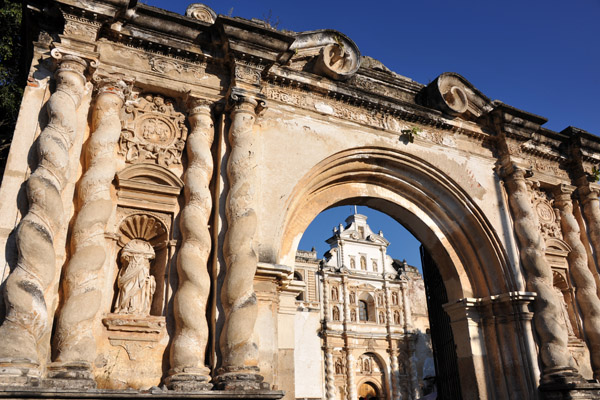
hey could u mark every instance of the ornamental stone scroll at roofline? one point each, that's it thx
(211, 92)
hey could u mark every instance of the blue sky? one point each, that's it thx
(540, 56)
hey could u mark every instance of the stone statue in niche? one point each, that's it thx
(564, 311)
(136, 285)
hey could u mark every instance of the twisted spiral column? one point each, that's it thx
(82, 283)
(591, 211)
(556, 360)
(588, 301)
(26, 310)
(240, 353)
(188, 371)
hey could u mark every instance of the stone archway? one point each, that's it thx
(454, 230)
(369, 391)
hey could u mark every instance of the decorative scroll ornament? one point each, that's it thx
(201, 12)
(153, 133)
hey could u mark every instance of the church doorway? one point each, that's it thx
(368, 391)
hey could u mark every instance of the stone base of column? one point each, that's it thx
(246, 378)
(567, 391)
(189, 380)
(70, 375)
(19, 373)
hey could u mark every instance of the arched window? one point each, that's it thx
(363, 313)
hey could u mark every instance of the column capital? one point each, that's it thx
(118, 85)
(240, 100)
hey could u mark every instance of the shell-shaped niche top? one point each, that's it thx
(144, 227)
(201, 12)
(455, 96)
(338, 57)
(153, 131)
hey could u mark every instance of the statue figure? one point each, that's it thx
(363, 263)
(564, 311)
(136, 285)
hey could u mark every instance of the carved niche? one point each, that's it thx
(144, 242)
(543, 204)
(153, 132)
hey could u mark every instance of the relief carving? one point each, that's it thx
(80, 27)
(153, 133)
(546, 215)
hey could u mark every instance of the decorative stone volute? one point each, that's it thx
(338, 56)
(201, 12)
(455, 96)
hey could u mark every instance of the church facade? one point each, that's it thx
(164, 168)
(368, 313)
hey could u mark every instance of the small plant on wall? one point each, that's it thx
(410, 134)
(595, 175)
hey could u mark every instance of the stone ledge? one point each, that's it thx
(39, 393)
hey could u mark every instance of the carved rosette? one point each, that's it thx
(188, 371)
(154, 132)
(26, 322)
(587, 299)
(240, 353)
(82, 283)
(553, 336)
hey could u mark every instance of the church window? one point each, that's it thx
(363, 312)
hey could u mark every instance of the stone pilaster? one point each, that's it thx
(557, 362)
(188, 371)
(239, 370)
(586, 292)
(26, 322)
(83, 283)
(351, 380)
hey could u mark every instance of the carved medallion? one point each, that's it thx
(548, 223)
(153, 133)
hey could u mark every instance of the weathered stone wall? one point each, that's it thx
(126, 107)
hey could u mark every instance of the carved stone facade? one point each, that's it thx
(164, 167)
(380, 343)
